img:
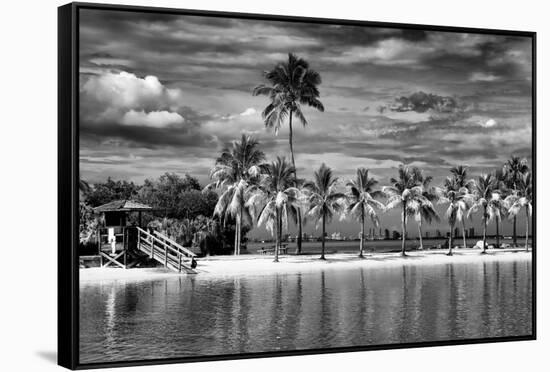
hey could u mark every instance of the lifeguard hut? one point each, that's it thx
(123, 245)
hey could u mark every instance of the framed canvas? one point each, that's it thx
(242, 185)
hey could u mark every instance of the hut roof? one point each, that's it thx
(123, 206)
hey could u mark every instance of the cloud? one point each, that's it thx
(489, 123)
(109, 61)
(388, 52)
(172, 89)
(111, 95)
(249, 111)
(480, 76)
(421, 102)
(156, 119)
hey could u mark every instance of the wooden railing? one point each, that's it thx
(164, 250)
(179, 247)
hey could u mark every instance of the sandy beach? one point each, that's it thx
(288, 264)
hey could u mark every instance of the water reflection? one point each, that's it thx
(185, 316)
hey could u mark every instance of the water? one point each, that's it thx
(194, 315)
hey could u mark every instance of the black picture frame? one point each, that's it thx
(68, 176)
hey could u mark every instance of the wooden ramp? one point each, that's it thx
(166, 251)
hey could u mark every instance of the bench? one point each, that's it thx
(271, 250)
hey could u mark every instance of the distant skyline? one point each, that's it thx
(165, 93)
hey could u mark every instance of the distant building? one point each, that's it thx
(457, 232)
(336, 236)
(438, 233)
(471, 232)
(427, 234)
(386, 234)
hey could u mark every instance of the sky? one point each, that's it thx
(165, 93)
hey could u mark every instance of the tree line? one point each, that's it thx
(255, 192)
(182, 210)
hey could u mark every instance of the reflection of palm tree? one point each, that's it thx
(279, 198)
(482, 192)
(322, 200)
(236, 169)
(515, 169)
(424, 209)
(405, 193)
(522, 199)
(457, 198)
(292, 84)
(361, 201)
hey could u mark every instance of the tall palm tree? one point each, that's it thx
(522, 199)
(515, 168)
(292, 84)
(482, 193)
(322, 199)
(405, 193)
(460, 180)
(278, 198)
(236, 169)
(424, 210)
(457, 198)
(361, 201)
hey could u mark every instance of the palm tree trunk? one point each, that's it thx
(240, 229)
(299, 217)
(450, 253)
(526, 229)
(323, 241)
(514, 233)
(463, 233)
(497, 244)
(236, 235)
(404, 230)
(362, 234)
(484, 232)
(277, 235)
(420, 234)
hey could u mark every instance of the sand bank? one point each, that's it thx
(264, 265)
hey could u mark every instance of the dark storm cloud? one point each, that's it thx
(422, 102)
(145, 136)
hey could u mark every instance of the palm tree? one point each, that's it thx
(522, 198)
(236, 169)
(460, 174)
(515, 169)
(482, 192)
(424, 210)
(457, 197)
(323, 201)
(498, 200)
(279, 199)
(405, 193)
(362, 202)
(291, 84)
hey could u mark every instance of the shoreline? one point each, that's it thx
(292, 264)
